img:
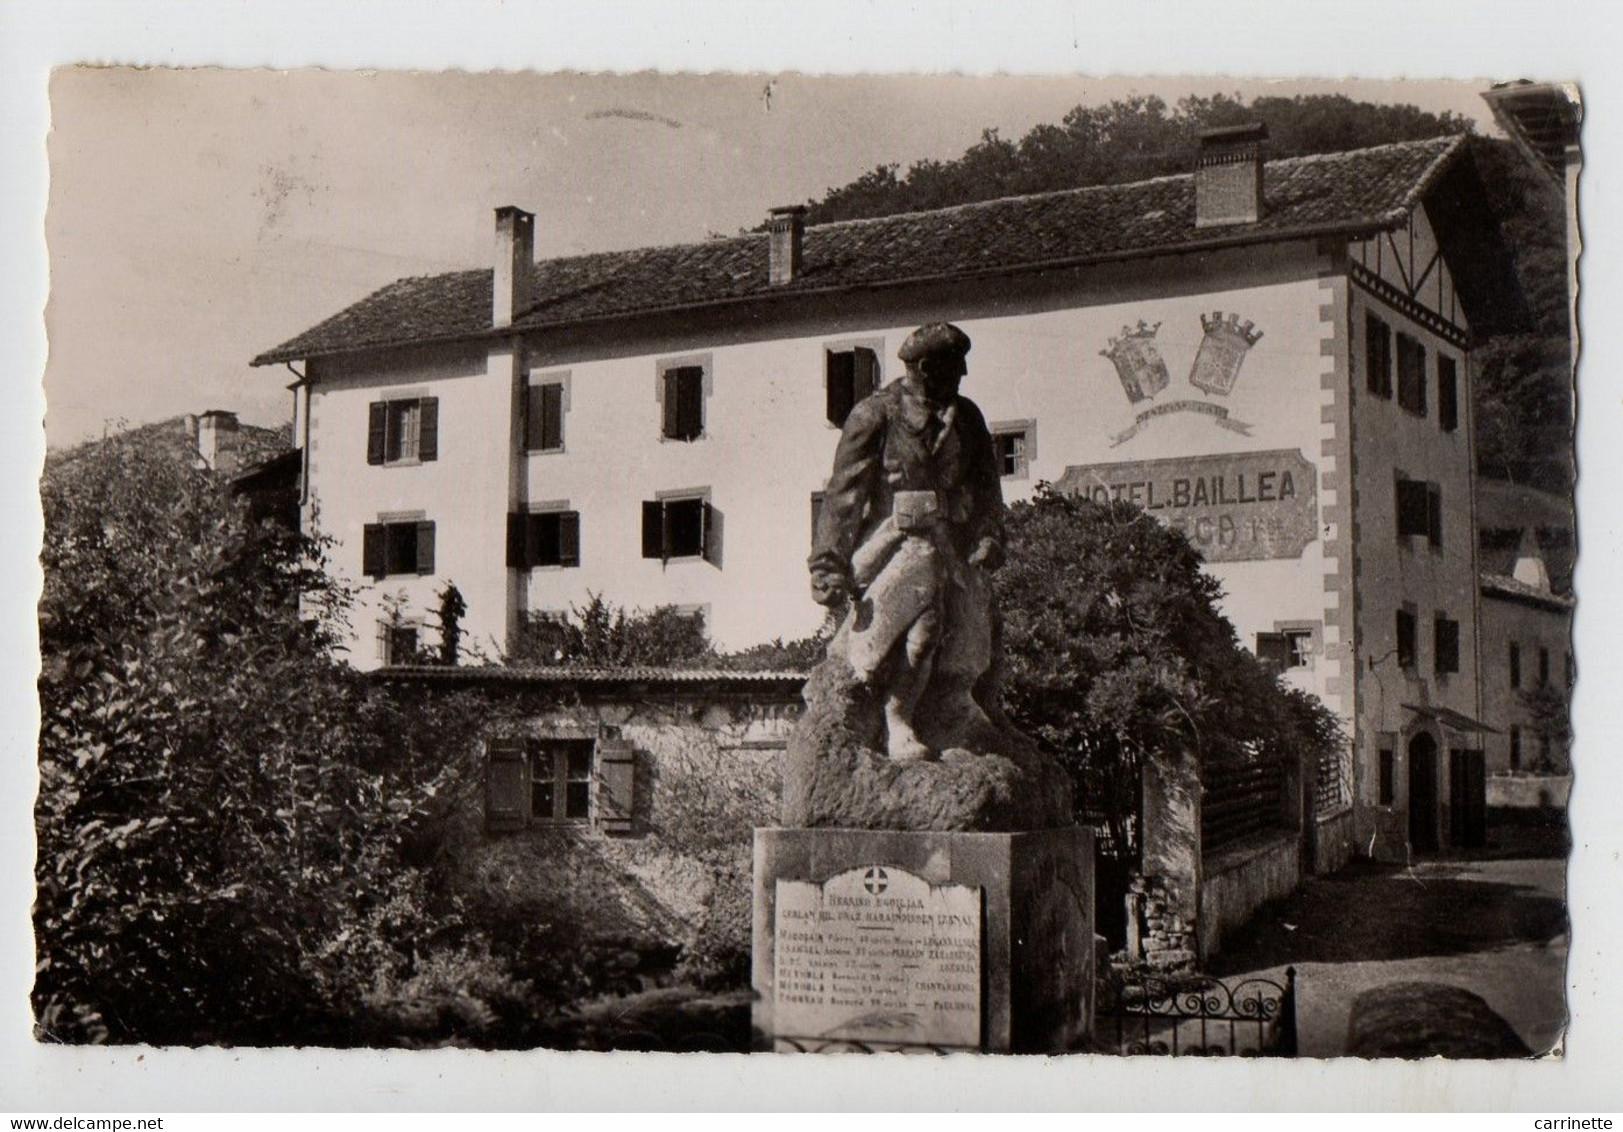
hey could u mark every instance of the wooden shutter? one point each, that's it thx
(1377, 357)
(1434, 514)
(377, 427)
(614, 808)
(866, 376)
(428, 429)
(1447, 645)
(569, 538)
(1406, 639)
(653, 529)
(374, 550)
(1448, 394)
(425, 548)
(841, 383)
(552, 416)
(515, 541)
(672, 426)
(507, 785)
(709, 534)
(691, 384)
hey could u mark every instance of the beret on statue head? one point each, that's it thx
(932, 340)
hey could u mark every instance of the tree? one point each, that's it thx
(1114, 649)
(221, 802)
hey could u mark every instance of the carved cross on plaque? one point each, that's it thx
(875, 880)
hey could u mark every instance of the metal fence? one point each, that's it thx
(1195, 1016)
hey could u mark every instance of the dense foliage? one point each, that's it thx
(1521, 379)
(222, 806)
(1114, 649)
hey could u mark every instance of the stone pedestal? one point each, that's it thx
(868, 940)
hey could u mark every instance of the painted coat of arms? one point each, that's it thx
(1138, 361)
(1222, 352)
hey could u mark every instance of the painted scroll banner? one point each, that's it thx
(1234, 507)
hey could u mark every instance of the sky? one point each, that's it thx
(200, 216)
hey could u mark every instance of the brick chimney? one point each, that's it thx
(515, 259)
(788, 227)
(216, 444)
(1228, 175)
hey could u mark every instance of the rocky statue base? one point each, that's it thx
(871, 941)
(988, 777)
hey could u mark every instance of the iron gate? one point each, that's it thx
(1195, 1016)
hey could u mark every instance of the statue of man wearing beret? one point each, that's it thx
(911, 522)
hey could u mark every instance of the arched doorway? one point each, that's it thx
(1423, 793)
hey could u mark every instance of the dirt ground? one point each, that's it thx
(1492, 921)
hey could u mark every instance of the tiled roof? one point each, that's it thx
(1503, 585)
(541, 676)
(1324, 194)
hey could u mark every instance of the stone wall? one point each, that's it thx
(1334, 841)
(1241, 879)
(1529, 791)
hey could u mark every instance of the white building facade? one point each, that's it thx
(1271, 356)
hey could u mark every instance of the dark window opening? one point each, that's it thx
(1543, 667)
(1412, 374)
(1292, 648)
(399, 643)
(850, 376)
(1515, 665)
(1012, 455)
(680, 528)
(684, 402)
(550, 538)
(1446, 645)
(544, 417)
(1387, 777)
(1377, 356)
(1515, 747)
(1406, 638)
(397, 548)
(1448, 393)
(560, 779)
(1420, 510)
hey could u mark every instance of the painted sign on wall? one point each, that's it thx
(1236, 507)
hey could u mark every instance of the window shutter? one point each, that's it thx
(377, 426)
(552, 417)
(569, 538)
(1406, 639)
(507, 787)
(615, 805)
(866, 364)
(691, 399)
(374, 550)
(840, 381)
(515, 541)
(531, 409)
(1448, 394)
(673, 404)
(709, 535)
(653, 529)
(428, 429)
(1434, 514)
(425, 548)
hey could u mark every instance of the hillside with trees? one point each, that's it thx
(1522, 382)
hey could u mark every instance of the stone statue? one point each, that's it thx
(903, 729)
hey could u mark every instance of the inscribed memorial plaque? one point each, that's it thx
(878, 955)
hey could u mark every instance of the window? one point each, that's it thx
(1406, 638)
(1291, 648)
(1377, 356)
(1543, 667)
(403, 432)
(1448, 393)
(545, 538)
(681, 527)
(560, 779)
(1412, 375)
(544, 417)
(682, 401)
(1015, 445)
(1387, 772)
(1515, 665)
(1445, 645)
(397, 548)
(397, 642)
(1420, 510)
(850, 375)
(1515, 747)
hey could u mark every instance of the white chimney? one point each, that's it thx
(515, 258)
(1530, 569)
(1228, 175)
(788, 228)
(215, 444)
